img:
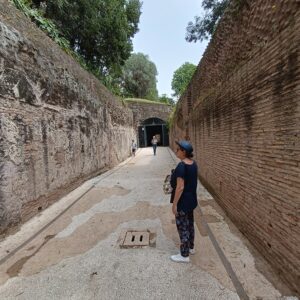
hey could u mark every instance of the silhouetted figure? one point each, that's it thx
(154, 142)
(133, 148)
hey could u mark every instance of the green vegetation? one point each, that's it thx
(205, 26)
(144, 101)
(45, 24)
(181, 78)
(170, 120)
(98, 33)
(165, 99)
(139, 77)
(99, 30)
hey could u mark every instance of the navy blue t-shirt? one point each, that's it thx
(188, 199)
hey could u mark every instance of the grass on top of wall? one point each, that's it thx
(144, 101)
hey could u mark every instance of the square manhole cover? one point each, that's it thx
(136, 239)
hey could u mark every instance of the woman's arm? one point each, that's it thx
(178, 192)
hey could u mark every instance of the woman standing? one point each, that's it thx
(185, 200)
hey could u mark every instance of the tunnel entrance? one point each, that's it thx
(151, 127)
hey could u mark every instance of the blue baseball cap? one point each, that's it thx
(185, 145)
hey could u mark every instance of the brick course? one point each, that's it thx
(243, 117)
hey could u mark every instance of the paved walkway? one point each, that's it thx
(71, 250)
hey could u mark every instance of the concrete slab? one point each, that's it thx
(78, 256)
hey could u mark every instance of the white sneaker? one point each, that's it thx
(180, 258)
(192, 251)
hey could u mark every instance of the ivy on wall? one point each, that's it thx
(45, 24)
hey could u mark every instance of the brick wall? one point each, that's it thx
(242, 113)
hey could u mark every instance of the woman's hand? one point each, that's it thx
(178, 192)
(174, 209)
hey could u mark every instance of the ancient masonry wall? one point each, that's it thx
(58, 124)
(242, 113)
(144, 110)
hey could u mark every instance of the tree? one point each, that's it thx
(206, 26)
(139, 77)
(181, 78)
(165, 99)
(101, 31)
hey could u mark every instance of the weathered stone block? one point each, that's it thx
(59, 125)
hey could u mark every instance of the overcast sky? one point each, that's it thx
(162, 37)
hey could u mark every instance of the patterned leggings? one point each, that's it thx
(185, 228)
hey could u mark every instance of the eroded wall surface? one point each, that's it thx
(58, 124)
(242, 114)
(144, 110)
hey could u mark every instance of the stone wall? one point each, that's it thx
(58, 124)
(145, 110)
(242, 114)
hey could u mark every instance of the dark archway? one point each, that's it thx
(151, 127)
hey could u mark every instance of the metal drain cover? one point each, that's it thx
(136, 239)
